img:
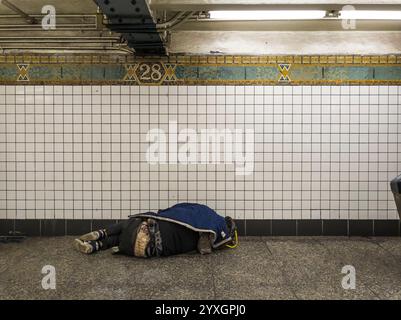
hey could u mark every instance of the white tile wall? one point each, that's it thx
(77, 152)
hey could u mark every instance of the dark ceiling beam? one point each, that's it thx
(133, 19)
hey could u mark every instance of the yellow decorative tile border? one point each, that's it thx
(200, 60)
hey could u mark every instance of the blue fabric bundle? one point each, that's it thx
(197, 217)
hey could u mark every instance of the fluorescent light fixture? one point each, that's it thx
(301, 15)
(267, 15)
(370, 15)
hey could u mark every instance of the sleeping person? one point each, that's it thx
(181, 228)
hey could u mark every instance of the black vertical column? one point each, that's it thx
(132, 18)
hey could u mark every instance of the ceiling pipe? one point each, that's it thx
(14, 8)
(59, 28)
(60, 38)
(173, 20)
(71, 21)
(80, 49)
(182, 21)
(57, 41)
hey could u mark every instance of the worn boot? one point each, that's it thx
(94, 235)
(231, 226)
(87, 247)
(205, 243)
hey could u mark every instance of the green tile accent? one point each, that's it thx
(114, 72)
(299, 73)
(221, 73)
(260, 73)
(86, 73)
(186, 72)
(388, 73)
(348, 73)
(97, 73)
(44, 72)
(232, 73)
(9, 72)
(71, 72)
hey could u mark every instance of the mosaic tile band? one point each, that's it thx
(200, 70)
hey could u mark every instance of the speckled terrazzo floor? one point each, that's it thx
(261, 268)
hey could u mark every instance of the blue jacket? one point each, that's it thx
(197, 217)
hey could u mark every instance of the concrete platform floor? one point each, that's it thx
(260, 268)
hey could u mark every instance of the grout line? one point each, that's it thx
(352, 111)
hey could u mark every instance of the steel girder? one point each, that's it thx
(133, 20)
